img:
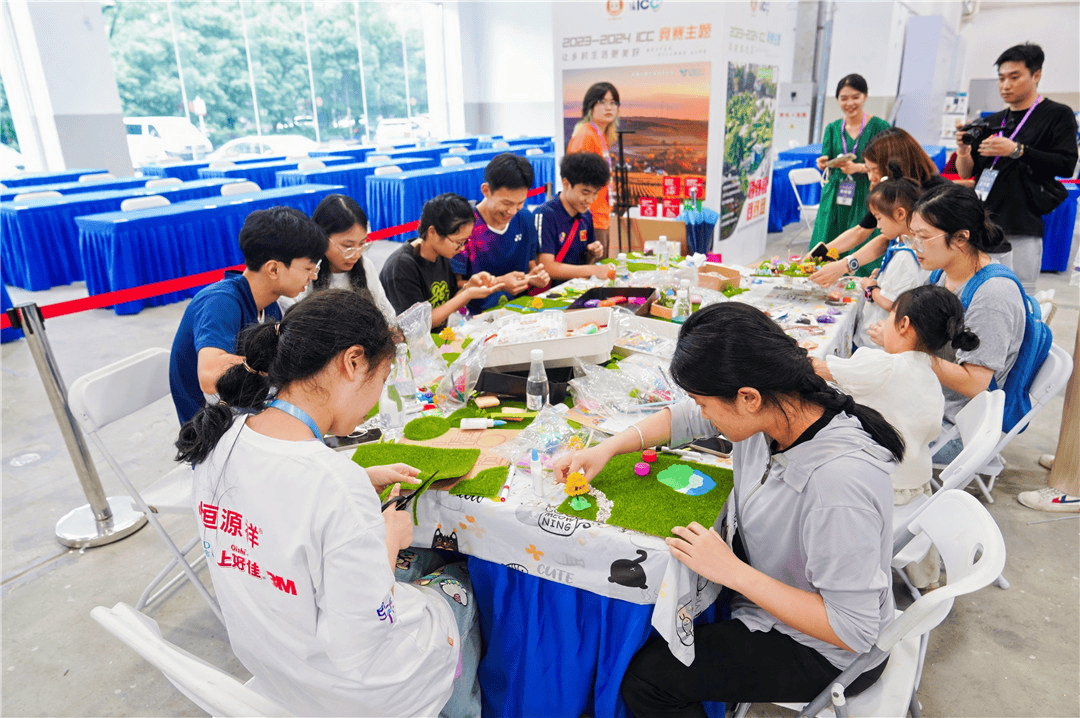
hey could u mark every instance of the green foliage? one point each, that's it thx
(214, 62)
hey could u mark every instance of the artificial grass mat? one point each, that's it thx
(450, 463)
(486, 483)
(423, 428)
(524, 304)
(644, 504)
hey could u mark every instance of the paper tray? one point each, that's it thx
(590, 348)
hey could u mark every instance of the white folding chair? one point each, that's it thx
(451, 161)
(973, 551)
(221, 165)
(534, 151)
(459, 150)
(305, 165)
(387, 170)
(1047, 305)
(205, 685)
(500, 145)
(1050, 381)
(245, 187)
(43, 194)
(384, 148)
(98, 176)
(150, 200)
(378, 158)
(807, 212)
(164, 182)
(111, 393)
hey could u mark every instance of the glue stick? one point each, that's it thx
(480, 423)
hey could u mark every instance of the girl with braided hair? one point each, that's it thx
(806, 540)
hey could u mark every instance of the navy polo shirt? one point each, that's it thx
(552, 224)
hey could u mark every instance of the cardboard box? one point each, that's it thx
(714, 276)
(672, 186)
(657, 309)
(648, 206)
(648, 229)
(672, 208)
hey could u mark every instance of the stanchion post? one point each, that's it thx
(104, 519)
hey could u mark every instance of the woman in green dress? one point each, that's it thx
(843, 197)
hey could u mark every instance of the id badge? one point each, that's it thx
(986, 182)
(845, 193)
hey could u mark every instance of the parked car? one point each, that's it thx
(153, 138)
(270, 145)
(396, 129)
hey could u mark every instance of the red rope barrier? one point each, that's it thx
(145, 291)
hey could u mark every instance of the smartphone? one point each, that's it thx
(364, 436)
(717, 446)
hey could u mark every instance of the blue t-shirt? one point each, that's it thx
(552, 224)
(214, 318)
(496, 252)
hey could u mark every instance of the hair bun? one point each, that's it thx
(894, 169)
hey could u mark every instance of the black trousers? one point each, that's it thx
(733, 665)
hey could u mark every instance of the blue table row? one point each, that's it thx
(262, 173)
(353, 177)
(39, 246)
(9, 334)
(539, 140)
(189, 170)
(398, 198)
(488, 154)
(27, 179)
(120, 250)
(432, 153)
(8, 195)
(808, 154)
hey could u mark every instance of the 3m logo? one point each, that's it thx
(282, 584)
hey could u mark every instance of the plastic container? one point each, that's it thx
(680, 312)
(512, 384)
(663, 250)
(622, 270)
(560, 352)
(601, 293)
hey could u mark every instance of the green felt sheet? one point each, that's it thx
(486, 483)
(644, 504)
(450, 463)
(523, 305)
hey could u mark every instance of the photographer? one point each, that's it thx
(1016, 154)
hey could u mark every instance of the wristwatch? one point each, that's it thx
(869, 293)
(1015, 154)
(852, 264)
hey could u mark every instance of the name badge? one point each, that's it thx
(845, 193)
(986, 181)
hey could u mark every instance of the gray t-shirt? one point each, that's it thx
(996, 315)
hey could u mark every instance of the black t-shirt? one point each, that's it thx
(870, 222)
(408, 278)
(1049, 140)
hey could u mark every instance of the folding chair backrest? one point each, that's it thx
(209, 687)
(458, 150)
(152, 200)
(221, 165)
(387, 170)
(970, 544)
(95, 177)
(378, 158)
(43, 194)
(164, 182)
(500, 145)
(306, 165)
(534, 151)
(1050, 381)
(112, 392)
(451, 161)
(245, 187)
(980, 436)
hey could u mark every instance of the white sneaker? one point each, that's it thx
(1048, 499)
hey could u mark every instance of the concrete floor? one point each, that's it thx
(999, 653)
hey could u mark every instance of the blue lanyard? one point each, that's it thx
(298, 413)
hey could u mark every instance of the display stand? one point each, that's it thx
(620, 180)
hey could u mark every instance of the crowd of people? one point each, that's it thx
(823, 449)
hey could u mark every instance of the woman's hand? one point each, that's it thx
(383, 476)
(515, 282)
(821, 162)
(538, 277)
(399, 527)
(589, 462)
(705, 553)
(852, 168)
(876, 332)
(829, 274)
(595, 251)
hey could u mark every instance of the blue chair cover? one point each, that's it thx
(783, 208)
(189, 170)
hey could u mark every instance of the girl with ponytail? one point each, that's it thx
(900, 383)
(954, 238)
(303, 558)
(809, 561)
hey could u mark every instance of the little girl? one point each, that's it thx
(900, 383)
(891, 202)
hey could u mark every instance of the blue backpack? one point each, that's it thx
(1033, 350)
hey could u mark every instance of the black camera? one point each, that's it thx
(977, 131)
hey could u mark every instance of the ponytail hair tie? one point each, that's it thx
(277, 328)
(248, 368)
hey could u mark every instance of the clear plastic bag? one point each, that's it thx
(459, 381)
(425, 360)
(549, 433)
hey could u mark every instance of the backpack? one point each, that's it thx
(1033, 349)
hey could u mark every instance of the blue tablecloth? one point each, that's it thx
(39, 246)
(808, 154)
(488, 154)
(432, 153)
(539, 140)
(128, 249)
(189, 170)
(8, 195)
(352, 176)
(398, 198)
(27, 179)
(262, 173)
(543, 173)
(783, 207)
(358, 153)
(1058, 229)
(7, 335)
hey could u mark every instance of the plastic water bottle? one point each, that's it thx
(391, 408)
(622, 270)
(662, 259)
(536, 386)
(404, 381)
(681, 311)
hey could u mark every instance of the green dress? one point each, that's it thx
(833, 219)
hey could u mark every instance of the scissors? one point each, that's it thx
(401, 503)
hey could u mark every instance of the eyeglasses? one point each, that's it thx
(919, 243)
(607, 103)
(348, 252)
(456, 243)
(315, 270)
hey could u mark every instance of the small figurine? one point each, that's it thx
(590, 303)
(576, 485)
(641, 468)
(447, 335)
(649, 455)
(537, 303)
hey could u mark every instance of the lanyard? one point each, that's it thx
(843, 136)
(603, 143)
(1017, 130)
(297, 413)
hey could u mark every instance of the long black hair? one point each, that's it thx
(953, 208)
(312, 333)
(727, 346)
(937, 316)
(339, 213)
(855, 82)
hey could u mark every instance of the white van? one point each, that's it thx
(154, 138)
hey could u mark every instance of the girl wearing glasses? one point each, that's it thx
(952, 231)
(345, 266)
(596, 133)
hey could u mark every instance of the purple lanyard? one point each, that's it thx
(843, 136)
(1017, 130)
(603, 143)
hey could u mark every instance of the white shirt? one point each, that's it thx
(904, 389)
(298, 557)
(901, 274)
(340, 280)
